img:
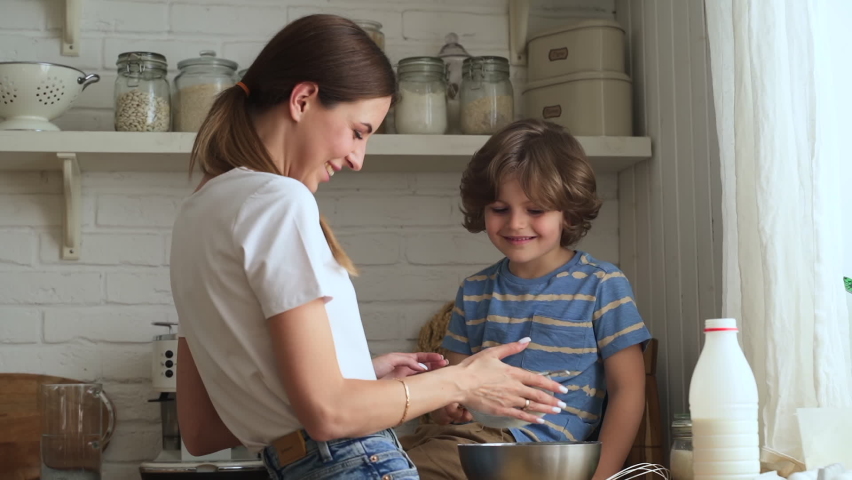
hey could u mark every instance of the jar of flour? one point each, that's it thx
(422, 106)
(200, 80)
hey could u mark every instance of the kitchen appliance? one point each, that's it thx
(539, 460)
(174, 461)
(34, 93)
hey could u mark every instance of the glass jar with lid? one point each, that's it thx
(200, 80)
(453, 55)
(422, 105)
(487, 96)
(142, 94)
(374, 30)
(681, 453)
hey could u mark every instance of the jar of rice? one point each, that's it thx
(200, 80)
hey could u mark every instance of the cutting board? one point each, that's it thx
(20, 424)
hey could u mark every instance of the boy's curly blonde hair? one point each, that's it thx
(550, 166)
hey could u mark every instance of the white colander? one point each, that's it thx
(34, 93)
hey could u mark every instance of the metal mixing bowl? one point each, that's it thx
(534, 460)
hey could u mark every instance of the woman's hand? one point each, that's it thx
(500, 389)
(401, 365)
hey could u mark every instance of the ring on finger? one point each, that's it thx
(526, 404)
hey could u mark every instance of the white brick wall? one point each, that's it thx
(91, 319)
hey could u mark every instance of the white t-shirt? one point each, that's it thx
(245, 247)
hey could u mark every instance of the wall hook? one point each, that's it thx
(71, 28)
(71, 223)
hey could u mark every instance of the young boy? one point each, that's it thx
(532, 190)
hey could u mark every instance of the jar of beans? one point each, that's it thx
(142, 94)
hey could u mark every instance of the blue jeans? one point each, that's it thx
(378, 456)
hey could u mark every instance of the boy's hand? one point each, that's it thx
(452, 413)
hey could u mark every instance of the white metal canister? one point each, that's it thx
(588, 103)
(591, 45)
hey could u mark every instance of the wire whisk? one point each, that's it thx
(641, 469)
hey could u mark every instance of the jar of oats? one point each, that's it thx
(487, 96)
(200, 80)
(142, 94)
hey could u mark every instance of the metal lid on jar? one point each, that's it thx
(682, 425)
(368, 24)
(422, 64)
(592, 23)
(490, 63)
(207, 57)
(452, 48)
(145, 59)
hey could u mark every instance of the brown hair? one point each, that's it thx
(332, 52)
(550, 166)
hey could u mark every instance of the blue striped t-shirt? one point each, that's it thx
(577, 316)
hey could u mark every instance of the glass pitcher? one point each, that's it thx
(72, 434)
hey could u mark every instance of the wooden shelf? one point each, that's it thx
(139, 152)
(75, 153)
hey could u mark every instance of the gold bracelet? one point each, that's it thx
(407, 401)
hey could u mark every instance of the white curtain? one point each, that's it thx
(781, 81)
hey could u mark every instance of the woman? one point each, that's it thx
(272, 351)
